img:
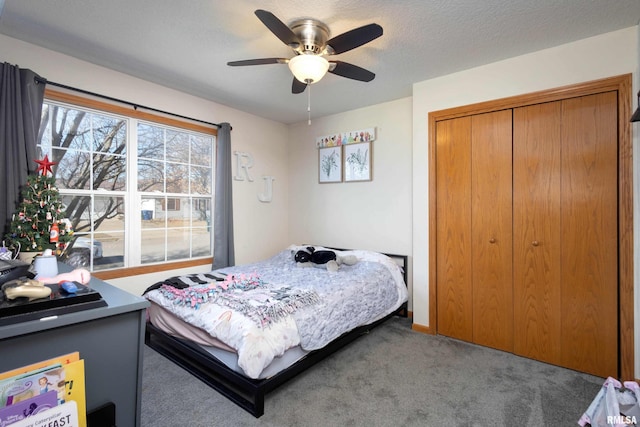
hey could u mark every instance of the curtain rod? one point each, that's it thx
(135, 106)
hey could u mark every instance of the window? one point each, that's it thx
(171, 205)
(137, 187)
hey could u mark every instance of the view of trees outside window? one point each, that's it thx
(174, 178)
(162, 212)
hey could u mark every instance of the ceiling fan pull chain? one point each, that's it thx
(309, 104)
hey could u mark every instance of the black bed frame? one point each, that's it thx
(246, 392)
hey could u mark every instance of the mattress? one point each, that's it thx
(169, 323)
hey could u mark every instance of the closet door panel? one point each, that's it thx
(536, 231)
(590, 234)
(453, 241)
(491, 229)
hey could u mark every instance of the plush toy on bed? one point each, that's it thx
(310, 257)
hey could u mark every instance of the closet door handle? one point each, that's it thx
(492, 240)
(535, 243)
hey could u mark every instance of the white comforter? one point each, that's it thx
(353, 296)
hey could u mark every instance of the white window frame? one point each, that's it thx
(132, 197)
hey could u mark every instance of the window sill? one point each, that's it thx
(146, 269)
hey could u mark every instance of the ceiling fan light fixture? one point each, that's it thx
(307, 68)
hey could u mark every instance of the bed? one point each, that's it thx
(245, 330)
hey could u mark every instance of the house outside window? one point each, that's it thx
(136, 187)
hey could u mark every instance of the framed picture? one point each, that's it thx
(330, 164)
(357, 162)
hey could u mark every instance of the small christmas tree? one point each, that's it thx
(39, 223)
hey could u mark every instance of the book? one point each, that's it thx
(27, 408)
(63, 374)
(74, 389)
(65, 415)
(62, 360)
(25, 386)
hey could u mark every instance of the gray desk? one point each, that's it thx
(110, 340)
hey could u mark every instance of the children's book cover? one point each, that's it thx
(64, 375)
(62, 360)
(74, 388)
(27, 408)
(23, 387)
(65, 415)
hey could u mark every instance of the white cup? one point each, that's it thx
(45, 266)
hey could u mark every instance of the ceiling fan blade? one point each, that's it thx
(297, 86)
(351, 71)
(279, 28)
(261, 61)
(354, 38)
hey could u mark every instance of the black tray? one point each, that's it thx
(59, 302)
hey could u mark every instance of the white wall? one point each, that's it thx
(598, 57)
(374, 215)
(260, 228)
(388, 214)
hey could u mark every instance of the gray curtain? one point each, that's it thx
(223, 250)
(21, 98)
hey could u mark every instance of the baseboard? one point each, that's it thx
(422, 328)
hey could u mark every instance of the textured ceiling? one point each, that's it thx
(185, 44)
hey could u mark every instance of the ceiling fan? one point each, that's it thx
(309, 39)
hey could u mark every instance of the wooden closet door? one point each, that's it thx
(491, 229)
(453, 229)
(536, 231)
(589, 277)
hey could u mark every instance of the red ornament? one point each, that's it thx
(54, 233)
(45, 165)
